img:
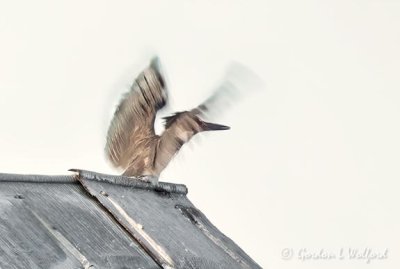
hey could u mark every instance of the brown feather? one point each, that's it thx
(134, 117)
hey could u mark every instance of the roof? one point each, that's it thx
(93, 220)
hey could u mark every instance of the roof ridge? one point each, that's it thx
(36, 178)
(131, 182)
(90, 175)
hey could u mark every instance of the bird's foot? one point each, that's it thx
(150, 179)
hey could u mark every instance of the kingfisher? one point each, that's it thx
(132, 143)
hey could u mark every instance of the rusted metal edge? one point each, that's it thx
(4, 177)
(133, 228)
(131, 182)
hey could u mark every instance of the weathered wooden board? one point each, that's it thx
(107, 222)
(168, 226)
(58, 225)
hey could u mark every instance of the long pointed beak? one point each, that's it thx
(214, 127)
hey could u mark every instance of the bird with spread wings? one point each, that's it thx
(132, 143)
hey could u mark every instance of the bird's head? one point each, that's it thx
(188, 123)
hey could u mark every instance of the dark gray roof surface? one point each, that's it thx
(93, 220)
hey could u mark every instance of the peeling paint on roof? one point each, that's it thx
(143, 237)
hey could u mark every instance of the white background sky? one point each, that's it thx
(310, 162)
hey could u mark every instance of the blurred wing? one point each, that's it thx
(237, 82)
(135, 115)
